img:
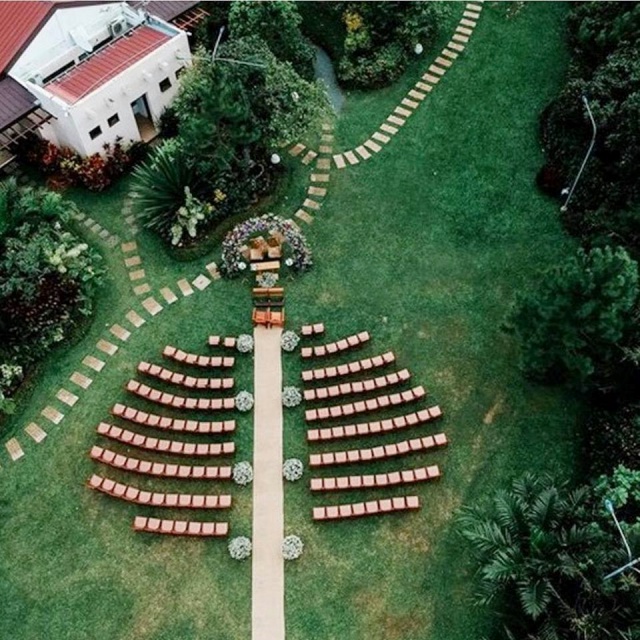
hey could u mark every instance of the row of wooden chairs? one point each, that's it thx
(219, 341)
(373, 404)
(165, 446)
(349, 368)
(156, 499)
(179, 402)
(171, 424)
(373, 507)
(190, 382)
(118, 461)
(361, 386)
(382, 452)
(181, 527)
(378, 426)
(183, 357)
(391, 479)
(309, 330)
(339, 346)
(268, 317)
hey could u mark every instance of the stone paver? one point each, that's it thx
(327, 126)
(120, 332)
(351, 157)
(471, 14)
(395, 120)
(340, 161)
(427, 77)
(326, 137)
(309, 157)
(401, 111)
(93, 363)
(141, 289)
(152, 306)
(133, 261)
(412, 104)
(35, 431)
(212, 268)
(168, 295)
(456, 46)
(319, 177)
(81, 380)
(67, 397)
(113, 242)
(52, 414)
(388, 128)
(317, 191)
(380, 137)
(104, 234)
(138, 274)
(303, 215)
(201, 282)
(362, 152)
(267, 585)
(417, 95)
(460, 38)
(135, 318)
(96, 228)
(443, 62)
(325, 148)
(437, 70)
(373, 146)
(128, 247)
(106, 347)
(449, 54)
(14, 449)
(324, 163)
(465, 30)
(297, 149)
(185, 287)
(474, 7)
(311, 204)
(423, 86)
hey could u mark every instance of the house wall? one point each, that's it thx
(74, 122)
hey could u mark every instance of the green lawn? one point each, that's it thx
(424, 246)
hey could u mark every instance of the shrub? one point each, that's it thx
(244, 343)
(289, 341)
(188, 216)
(292, 548)
(244, 401)
(243, 473)
(240, 548)
(291, 397)
(267, 279)
(292, 469)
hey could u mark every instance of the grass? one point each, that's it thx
(425, 246)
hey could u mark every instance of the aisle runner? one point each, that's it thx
(267, 590)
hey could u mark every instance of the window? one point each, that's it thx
(94, 133)
(179, 72)
(165, 85)
(113, 120)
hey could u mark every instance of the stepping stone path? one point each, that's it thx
(120, 332)
(52, 414)
(80, 379)
(152, 306)
(168, 295)
(36, 432)
(93, 363)
(135, 319)
(14, 449)
(106, 347)
(141, 289)
(201, 282)
(67, 397)
(138, 274)
(304, 216)
(185, 287)
(212, 268)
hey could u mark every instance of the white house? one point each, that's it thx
(92, 71)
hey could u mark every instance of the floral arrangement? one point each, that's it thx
(289, 341)
(292, 469)
(267, 279)
(244, 401)
(240, 548)
(243, 473)
(291, 397)
(292, 548)
(244, 343)
(232, 260)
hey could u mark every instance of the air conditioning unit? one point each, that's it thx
(37, 79)
(117, 27)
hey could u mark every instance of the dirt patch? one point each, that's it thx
(493, 411)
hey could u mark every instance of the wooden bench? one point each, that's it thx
(179, 402)
(339, 346)
(362, 386)
(182, 471)
(309, 330)
(382, 452)
(349, 368)
(181, 527)
(268, 292)
(180, 379)
(363, 406)
(372, 428)
(171, 424)
(371, 508)
(165, 446)
(219, 341)
(391, 479)
(269, 265)
(197, 360)
(155, 499)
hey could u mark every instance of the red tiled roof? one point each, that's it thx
(107, 64)
(18, 21)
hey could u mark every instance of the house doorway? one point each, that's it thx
(141, 113)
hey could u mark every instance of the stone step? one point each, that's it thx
(362, 152)
(374, 146)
